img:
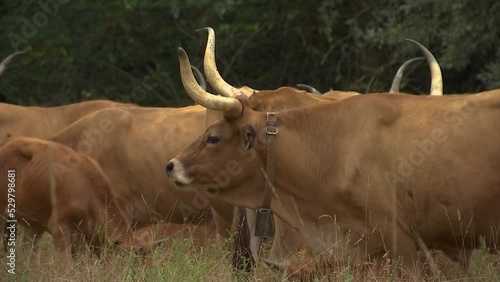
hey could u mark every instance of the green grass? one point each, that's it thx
(181, 259)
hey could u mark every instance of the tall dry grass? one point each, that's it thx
(183, 258)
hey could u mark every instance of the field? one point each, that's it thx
(189, 256)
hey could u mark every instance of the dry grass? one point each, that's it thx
(185, 259)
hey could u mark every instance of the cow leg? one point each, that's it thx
(33, 237)
(61, 235)
(400, 245)
(287, 241)
(77, 243)
(406, 252)
(96, 245)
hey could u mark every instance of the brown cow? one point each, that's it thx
(360, 192)
(122, 141)
(134, 165)
(43, 122)
(287, 240)
(47, 187)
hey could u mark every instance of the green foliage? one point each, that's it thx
(92, 49)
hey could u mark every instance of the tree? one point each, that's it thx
(126, 50)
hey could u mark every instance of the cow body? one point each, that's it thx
(381, 168)
(339, 95)
(43, 122)
(61, 192)
(125, 143)
(232, 110)
(122, 142)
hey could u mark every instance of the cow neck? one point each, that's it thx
(263, 225)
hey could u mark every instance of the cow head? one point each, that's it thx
(232, 150)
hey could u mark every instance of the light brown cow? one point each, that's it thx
(120, 140)
(287, 240)
(362, 176)
(126, 144)
(43, 122)
(47, 187)
(123, 141)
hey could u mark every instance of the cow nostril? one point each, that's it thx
(170, 167)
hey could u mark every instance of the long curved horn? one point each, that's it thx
(199, 77)
(436, 76)
(213, 77)
(308, 88)
(396, 82)
(7, 60)
(230, 106)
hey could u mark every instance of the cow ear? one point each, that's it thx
(258, 108)
(248, 136)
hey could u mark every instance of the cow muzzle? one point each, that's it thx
(169, 168)
(176, 171)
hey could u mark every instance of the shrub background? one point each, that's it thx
(89, 49)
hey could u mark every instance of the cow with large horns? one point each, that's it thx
(145, 196)
(287, 241)
(396, 82)
(436, 77)
(359, 176)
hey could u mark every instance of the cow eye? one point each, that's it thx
(212, 139)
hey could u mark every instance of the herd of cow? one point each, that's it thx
(346, 175)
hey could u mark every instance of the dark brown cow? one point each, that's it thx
(361, 176)
(48, 187)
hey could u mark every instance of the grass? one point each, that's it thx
(185, 259)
